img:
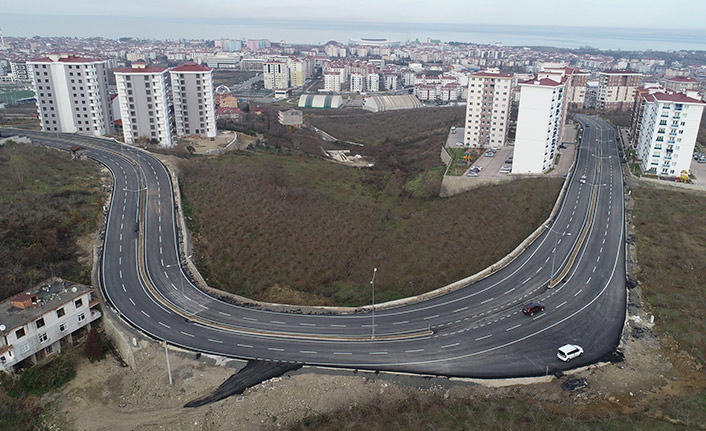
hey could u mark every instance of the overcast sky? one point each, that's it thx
(591, 13)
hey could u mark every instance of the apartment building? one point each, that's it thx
(575, 84)
(488, 108)
(668, 124)
(681, 84)
(20, 71)
(276, 74)
(332, 82)
(194, 102)
(144, 108)
(40, 321)
(72, 94)
(372, 80)
(616, 90)
(539, 123)
(356, 84)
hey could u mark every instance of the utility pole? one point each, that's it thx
(372, 284)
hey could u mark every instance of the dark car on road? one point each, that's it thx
(533, 308)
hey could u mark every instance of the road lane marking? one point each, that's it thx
(308, 351)
(548, 257)
(414, 350)
(577, 293)
(398, 323)
(342, 353)
(486, 301)
(377, 353)
(563, 303)
(599, 258)
(133, 302)
(275, 349)
(187, 334)
(431, 317)
(513, 327)
(509, 291)
(526, 280)
(120, 260)
(450, 345)
(124, 288)
(164, 324)
(121, 273)
(594, 269)
(484, 337)
(143, 312)
(338, 326)
(175, 288)
(308, 324)
(460, 309)
(215, 341)
(247, 346)
(538, 269)
(277, 322)
(223, 313)
(537, 317)
(165, 274)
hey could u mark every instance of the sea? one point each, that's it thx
(318, 32)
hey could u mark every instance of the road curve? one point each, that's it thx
(476, 331)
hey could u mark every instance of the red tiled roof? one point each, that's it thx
(545, 82)
(191, 67)
(142, 68)
(673, 97)
(620, 72)
(118, 122)
(682, 79)
(485, 74)
(66, 59)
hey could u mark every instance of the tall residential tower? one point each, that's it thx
(194, 104)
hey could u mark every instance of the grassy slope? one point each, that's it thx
(46, 202)
(671, 229)
(264, 220)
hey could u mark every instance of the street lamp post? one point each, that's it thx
(372, 284)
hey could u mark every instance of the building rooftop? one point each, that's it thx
(31, 304)
(141, 67)
(670, 96)
(619, 72)
(544, 82)
(682, 79)
(486, 74)
(64, 58)
(191, 67)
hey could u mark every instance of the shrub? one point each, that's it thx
(94, 346)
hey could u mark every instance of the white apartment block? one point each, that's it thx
(372, 81)
(298, 72)
(390, 81)
(72, 94)
(488, 108)
(356, 84)
(194, 103)
(38, 322)
(276, 74)
(332, 82)
(668, 127)
(20, 71)
(144, 108)
(539, 124)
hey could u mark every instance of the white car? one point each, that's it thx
(568, 352)
(582, 180)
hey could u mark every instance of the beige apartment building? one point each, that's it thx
(194, 104)
(488, 108)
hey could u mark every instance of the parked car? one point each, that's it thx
(533, 308)
(505, 170)
(490, 154)
(508, 161)
(568, 352)
(459, 144)
(701, 159)
(562, 146)
(472, 174)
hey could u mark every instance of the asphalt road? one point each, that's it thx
(476, 331)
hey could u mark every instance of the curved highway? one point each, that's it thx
(476, 331)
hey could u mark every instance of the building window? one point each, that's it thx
(24, 348)
(39, 322)
(81, 317)
(49, 350)
(78, 302)
(43, 338)
(62, 327)
(20, 333)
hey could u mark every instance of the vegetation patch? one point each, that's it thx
(671, 237)
(270, 224)
(47, 202)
